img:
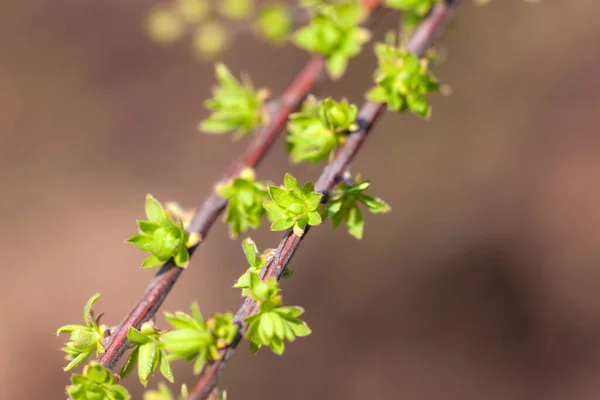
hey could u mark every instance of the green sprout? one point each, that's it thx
(235, 106)
(402, 80)
(257, 263)
(343, 206)
(291, 206)
(194, 338)
(149, 353)
(162, 237)
(96, 383)
(85, 339)
(319, 128)
(245, 202)
(273, 322)
(334, 32)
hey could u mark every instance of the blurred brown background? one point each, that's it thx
(482, 283)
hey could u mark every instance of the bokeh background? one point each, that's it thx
(482, 283)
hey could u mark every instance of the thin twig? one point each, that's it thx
(213, 206)
(368, 115)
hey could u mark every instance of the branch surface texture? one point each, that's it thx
(368, 115)
(213, 206)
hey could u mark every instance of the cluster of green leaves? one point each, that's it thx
(148, 354)
(316, 131)
(85, 339)
(245, 198)
(290, 206)
(235, 106)
(413, 11)
(195, 338)
(273, 322)
(344, 206)
(256, 261)
(162, 237)
(335, 33)
(96, 383)
(402, 81)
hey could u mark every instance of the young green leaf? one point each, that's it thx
(85, 339)
(148, 354)
(194, 338)
(334, 33)
(273, 322)
(291, 206)
(96, 383)
(319, 128)
(235, 106)
(257, 263)
(343, 206)
(162, 237)
(245, 198)
(402, 80)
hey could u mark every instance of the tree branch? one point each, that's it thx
(213, 206)
(368, 115)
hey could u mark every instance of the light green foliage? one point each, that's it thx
(163, 393)
(291, 206)
(96, 383)
(316, 131)
(273, 322)
(236, 9)
(192, 11)
(274, 23)
(85, 339)
(162, 237)
(413, 11)
(343, 206)
(149, 354)
(164, 25)
(194, 338)
(245, 202)
(334, 33)
(210, 39)
(257, 263)
(402, 81)
(235, 106)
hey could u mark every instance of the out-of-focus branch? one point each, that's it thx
(368, 115)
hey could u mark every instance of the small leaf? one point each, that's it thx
(154, 210)
(130, 363)
(136, 337)
(282, 224)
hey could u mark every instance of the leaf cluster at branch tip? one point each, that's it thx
(234, 106)
(402, 81)
(245, 198)
(291, 206)
(343, 206)
(162, 237)
(334, 32)
(256, 261)
(316, 131)
(273, 322)
(96, 383)
(195, 338)
(85, 339)
(149, 353)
